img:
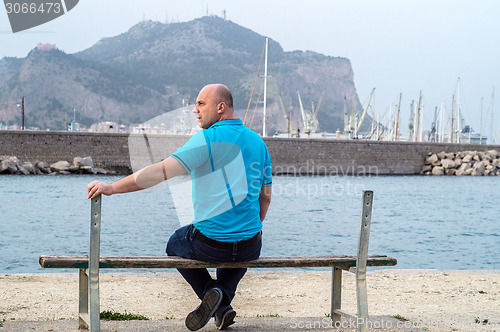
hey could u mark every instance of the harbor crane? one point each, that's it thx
(287, 116)
(351, 123)
(364, 111)
(315, 110)
(305, 117)
(310, 120)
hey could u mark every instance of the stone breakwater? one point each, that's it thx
(476, 163)
(85, 165)
(290, 156)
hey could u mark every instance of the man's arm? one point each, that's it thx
(145, 178)
(265, 200)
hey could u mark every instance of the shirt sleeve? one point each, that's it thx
(268, 174)
(194, 153)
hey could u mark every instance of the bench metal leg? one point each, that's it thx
(95, 230)
(364, 235)
(362, 300)
(83, 300)
(362, 303)
(336, 294)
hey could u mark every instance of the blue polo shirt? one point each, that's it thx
(228, 164)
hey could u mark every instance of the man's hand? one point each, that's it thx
(96, 188)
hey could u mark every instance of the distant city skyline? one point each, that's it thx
(394, 46)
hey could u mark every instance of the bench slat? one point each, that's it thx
(115, 262)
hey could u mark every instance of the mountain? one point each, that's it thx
(54, 83)
(152, 67)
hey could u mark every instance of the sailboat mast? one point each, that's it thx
(352, 120)
(417, 131)
(459, 129)
(415, 122)
(264, 133)
(436, 126)
(481, 124)
(452, 118)
(397, 117)
(411, 122)
(346, 117)
(441, 124)
(491, 119)
(421, 125)
(390, 137)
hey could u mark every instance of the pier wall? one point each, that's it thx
(289, 155)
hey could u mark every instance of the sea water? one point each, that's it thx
(426, 222)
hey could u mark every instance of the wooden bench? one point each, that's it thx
(89, 308)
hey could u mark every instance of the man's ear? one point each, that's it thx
(221, 107)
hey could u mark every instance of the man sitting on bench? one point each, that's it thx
(230, 169)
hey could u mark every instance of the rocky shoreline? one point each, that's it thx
(80, 165)
(482, 163)
(475, 163)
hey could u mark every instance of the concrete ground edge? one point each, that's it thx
(250, 324)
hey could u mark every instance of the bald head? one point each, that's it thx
(221, 93)
(214, 103)
(225, 95)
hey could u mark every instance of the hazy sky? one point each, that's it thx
(394, 45)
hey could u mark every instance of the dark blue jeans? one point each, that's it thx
(182, 243)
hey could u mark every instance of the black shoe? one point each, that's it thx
(200, 316)
(224, 316)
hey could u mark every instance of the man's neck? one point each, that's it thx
(230, 117)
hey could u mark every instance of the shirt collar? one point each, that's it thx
(227, 122)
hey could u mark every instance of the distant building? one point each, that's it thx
(148, 129)
(123, 129)
(74, 126)
(104, 127)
